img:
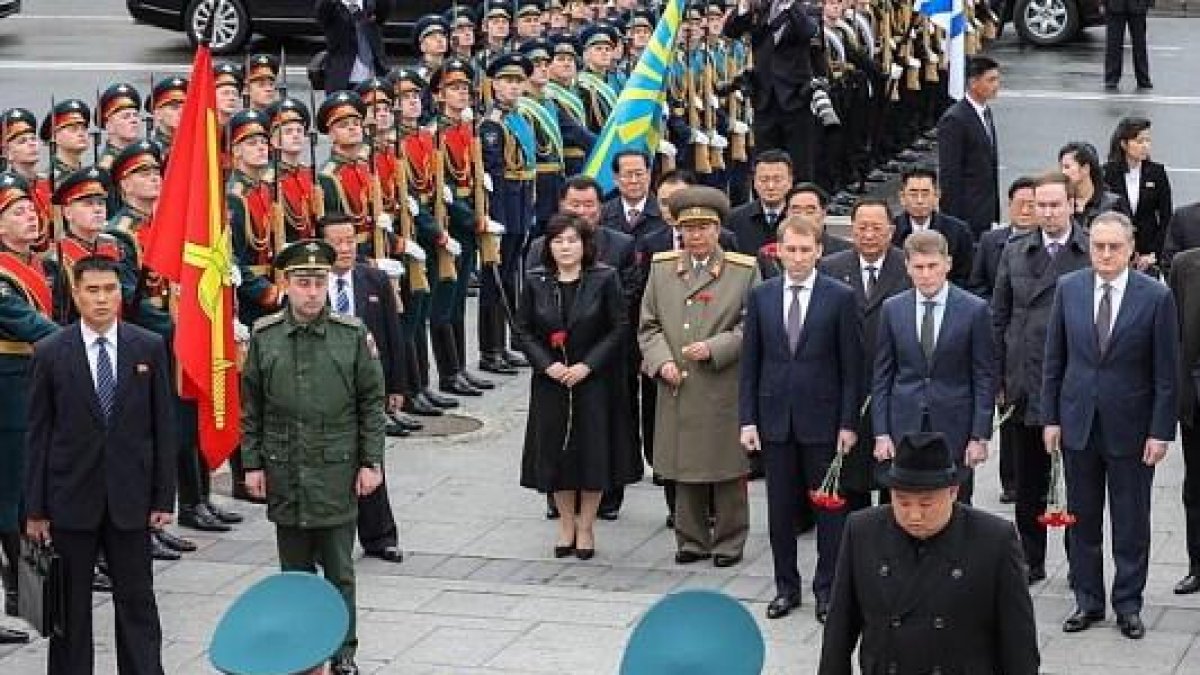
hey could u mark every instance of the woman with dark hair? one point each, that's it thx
(1081, 164)
(1144, 186)
(579, 439)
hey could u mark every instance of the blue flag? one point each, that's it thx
(950, 16)
(636, 119)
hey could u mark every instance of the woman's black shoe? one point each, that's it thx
(564, 551)
(585, 553)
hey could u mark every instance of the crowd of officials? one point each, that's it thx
(698, 317)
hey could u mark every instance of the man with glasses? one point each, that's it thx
(919, 196)
(634, 210)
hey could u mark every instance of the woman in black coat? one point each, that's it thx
(1089, 198)
(1143, 185)
(579, 438)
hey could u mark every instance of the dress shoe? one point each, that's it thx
(564, 550)
(496, 364)
(822, 611)
(721, 560)
(551, 513)
(409, 422)
(1145, 86)
(1008, 496)
(391, 554)
(514, 359)
(481, 383)
(241, 494)
(585, 553)
(670, 521)
(782, 605)
(1036, 573)
(101, 582)
(199, 518)
(1110, 87)
(1131, 626)
(688, 557)
(160, 552)
(345, 665)
(438, 400)
(459, 387)
(393, 430)
(10, 603)
(1189, 584)
(224, 515)
(8, 636)
(174, 541)
(1081, 621)
(608, 514)
(419, 404)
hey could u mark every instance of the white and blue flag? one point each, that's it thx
(950, 16)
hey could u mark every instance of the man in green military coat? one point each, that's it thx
(313, 425)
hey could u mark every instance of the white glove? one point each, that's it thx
(447, 194)
(487, 182)
(235, 276)
(468, 115)
(897, 71)
(241, 333)
(667, 148)
(739, 127)
(414, 207)
(737, 93)
(393, 268)
(933, 59)
(699, 138)
(698, 102)
(413, 250)
(495, 227)
(385, 223)
(666, 107)
(713, 101)
(719, 142)
(453, 247)
(914, 62)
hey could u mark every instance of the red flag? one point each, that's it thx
(189, 244)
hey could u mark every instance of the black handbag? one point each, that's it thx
(42, 589)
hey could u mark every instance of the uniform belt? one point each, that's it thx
(261, 270)
(463, 192)
(574, 153)
(519, 175)
(157, 301)
(362, 237)
(549, 167)
(14, 348)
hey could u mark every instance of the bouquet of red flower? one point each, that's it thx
(770, 250)
(558, 340)
(826, 497)
(704, 297)
(1056, 513)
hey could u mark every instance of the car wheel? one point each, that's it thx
(232, 29)
(1045, 23)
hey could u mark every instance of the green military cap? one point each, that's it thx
(537, 50)
(262, 66)
(81, 184)
(287, 110)
(227, 75)
(564, 44)
(598, 33)
(510, 64)
(116, 98)
(289, 622)
(373, 91)
(247, 124)
(399, 77)
(17, 122)
(166, 91)
(429, 25)
(451, 71)
(715, 7)
(65, 113)
(640, 17)
(338, 106)
(307, 257)
(699, 203)
(497, 9)
(13, 188)
(460, 16)
(530, 7)
(135, 157)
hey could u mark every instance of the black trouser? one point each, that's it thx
(1033, 481)
(1190, 439)
(791, 130)
(788, 465)
(1114, 47)
(138, 633)
(191, 472)
(1008, 461)
(376, 524)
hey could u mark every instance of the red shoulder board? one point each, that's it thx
(355, 179)
(31, 278)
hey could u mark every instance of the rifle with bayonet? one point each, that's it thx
(716, 154)
(489, 244)
(447, 271)
(695, 107)
(418, 280)
(318, 195)
(95, 130)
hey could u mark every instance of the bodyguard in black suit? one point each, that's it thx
(353, 38)
(755, 222)
(875, 270)
(919, 196)
(927, 585)
(102, 443)
(1109, 403)
(1185, 284)
(357, 289)
(1143, 185)
(1119, 14)
(1183, 232)
(1022, 219)
(782, 33)
(799, 393)
(968, 156)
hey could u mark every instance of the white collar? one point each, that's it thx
(1117, 284)
(806, 282)
(640, 206)
(939, 297)
(90, 336)
(979, 107)
(863, 263)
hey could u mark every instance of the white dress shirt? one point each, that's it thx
(93, 351)
(979, 110)
(1117, 294)
(805, 295)
(333, 290)
(1133, 186)
(939, 310)
(640, 207)
(863, 264)
(921, 225)
(1061, 241)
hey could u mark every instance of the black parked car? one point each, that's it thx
(9, 7)
(237, 20)
(1045, 23)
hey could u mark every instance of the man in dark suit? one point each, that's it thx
(1119, 14)
(1022, 219)
(1183, 232)
(781, 37)
(633, 211)
(353, 40)
(934, 361)
(919, 197)
(357, 289)
(1024, 294)
(927, 585)
(1185, 284)
(875, 270)
(807, 200)
(968, 150)
(1109, 405)
(755, 222)
(799, 393)
(102, 443)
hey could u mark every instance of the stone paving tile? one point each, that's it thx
(563, 648)
(449, 646)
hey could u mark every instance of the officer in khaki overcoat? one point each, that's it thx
(690, 335)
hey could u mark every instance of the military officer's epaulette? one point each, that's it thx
(665, 255)
(740, 259)
(346, 320)
(269, 320)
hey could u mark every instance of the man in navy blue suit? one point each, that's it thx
(799, 394)
(1109, 404)
(934, 361)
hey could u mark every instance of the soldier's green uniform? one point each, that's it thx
(312, 416)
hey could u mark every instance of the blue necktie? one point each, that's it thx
(343, 298)
(106, 381)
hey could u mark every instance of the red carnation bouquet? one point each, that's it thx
(827, 497)
(1056, 513)
(558, 341)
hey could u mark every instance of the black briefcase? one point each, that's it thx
(42, 589)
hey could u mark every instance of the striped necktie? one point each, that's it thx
(106, 381)
(343, 297)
